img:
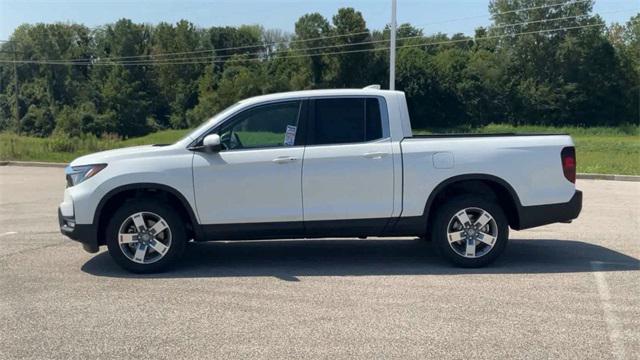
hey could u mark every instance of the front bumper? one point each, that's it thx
(532, 216)
(86, 234)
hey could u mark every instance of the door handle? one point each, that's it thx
(375, 155)
(284, 159)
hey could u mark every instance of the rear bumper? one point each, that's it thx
(532, 216)
(86, 234)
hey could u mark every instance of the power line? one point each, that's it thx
(258, 55)
(208, 51)
(369, 42)
(542, 7)
(554, 19)
(511, 11)
(261, 53)
(268, 44)
(362, 42)
(207, 60)
(502, 13)
(474, 39)
(180, 62)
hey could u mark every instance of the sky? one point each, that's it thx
(447, 16)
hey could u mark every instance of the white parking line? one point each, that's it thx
(613, 325)
(8, 233)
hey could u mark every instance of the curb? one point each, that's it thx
(579, 176)
(33, 164)
(609, 177)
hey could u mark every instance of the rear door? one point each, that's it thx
(347, 175)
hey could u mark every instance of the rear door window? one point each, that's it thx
(346, 120)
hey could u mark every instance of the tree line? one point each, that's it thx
(535, 64)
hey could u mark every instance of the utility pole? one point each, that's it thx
(392, 48)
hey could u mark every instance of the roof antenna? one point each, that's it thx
(372, 87)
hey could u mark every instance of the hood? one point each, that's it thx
(112, 155)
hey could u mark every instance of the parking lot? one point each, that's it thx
(560, 291)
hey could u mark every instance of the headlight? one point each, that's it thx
(78, 174)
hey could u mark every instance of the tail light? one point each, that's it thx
(568, 156)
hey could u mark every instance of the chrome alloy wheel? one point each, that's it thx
(144, 237)
(472, 232)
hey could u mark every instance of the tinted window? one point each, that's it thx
(264, 126)
(374, 120)
(347, 120)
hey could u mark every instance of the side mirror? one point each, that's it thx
(212, 142)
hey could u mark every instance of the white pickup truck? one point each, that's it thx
(320, 163)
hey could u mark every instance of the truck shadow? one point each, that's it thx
(289, 259)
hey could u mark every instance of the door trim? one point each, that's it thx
(299, 229)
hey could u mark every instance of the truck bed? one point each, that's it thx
(529, 163)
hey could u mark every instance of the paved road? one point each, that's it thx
(560, 291)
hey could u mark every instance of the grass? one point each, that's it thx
(605, 150)
(608, 154)
(61, 149)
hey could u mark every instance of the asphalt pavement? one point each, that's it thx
(559, 291)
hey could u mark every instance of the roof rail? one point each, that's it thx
(373, 87)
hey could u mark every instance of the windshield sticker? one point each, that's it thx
(290, 135)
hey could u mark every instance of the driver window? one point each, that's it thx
(264, 126)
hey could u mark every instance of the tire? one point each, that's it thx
(469, 247)
(145, 250)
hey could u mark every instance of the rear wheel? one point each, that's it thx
(470, 231)
(145, 236)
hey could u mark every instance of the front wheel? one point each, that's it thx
(470, 231)
(145, 236)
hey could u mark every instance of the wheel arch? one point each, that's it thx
(117, 196)
(490, 186)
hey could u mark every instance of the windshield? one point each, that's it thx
(209, 123)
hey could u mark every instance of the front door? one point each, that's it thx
(254, 183)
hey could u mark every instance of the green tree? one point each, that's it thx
(483, 87)
(129, 78)
(127, 91)
(126, 98)
(352, 67)
(176, 82)
(38, 121)
(311, 30)
(427, 95)
(239, 81)
(76, 121)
